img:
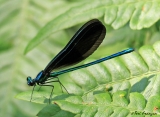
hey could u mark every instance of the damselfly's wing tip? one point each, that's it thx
(85, 41)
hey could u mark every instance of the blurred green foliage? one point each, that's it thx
(41, 28)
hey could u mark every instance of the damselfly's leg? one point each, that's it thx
(39, 88)
(51, 91)
(44, 84)
(62, 85)
(32, 92)
(56, 81)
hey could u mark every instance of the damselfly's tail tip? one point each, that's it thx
(130, 49)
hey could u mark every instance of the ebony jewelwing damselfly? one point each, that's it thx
(86, 40)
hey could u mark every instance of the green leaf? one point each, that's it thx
(135, 104)
(137, 101)
(54, 110)
(115, 13)
(135, 84)
(21, 20)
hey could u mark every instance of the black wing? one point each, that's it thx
(86, 40)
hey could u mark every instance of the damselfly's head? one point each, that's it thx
(30, 81)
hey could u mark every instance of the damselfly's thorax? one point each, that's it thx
(40, 77)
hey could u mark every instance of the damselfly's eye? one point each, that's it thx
(30, 81)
